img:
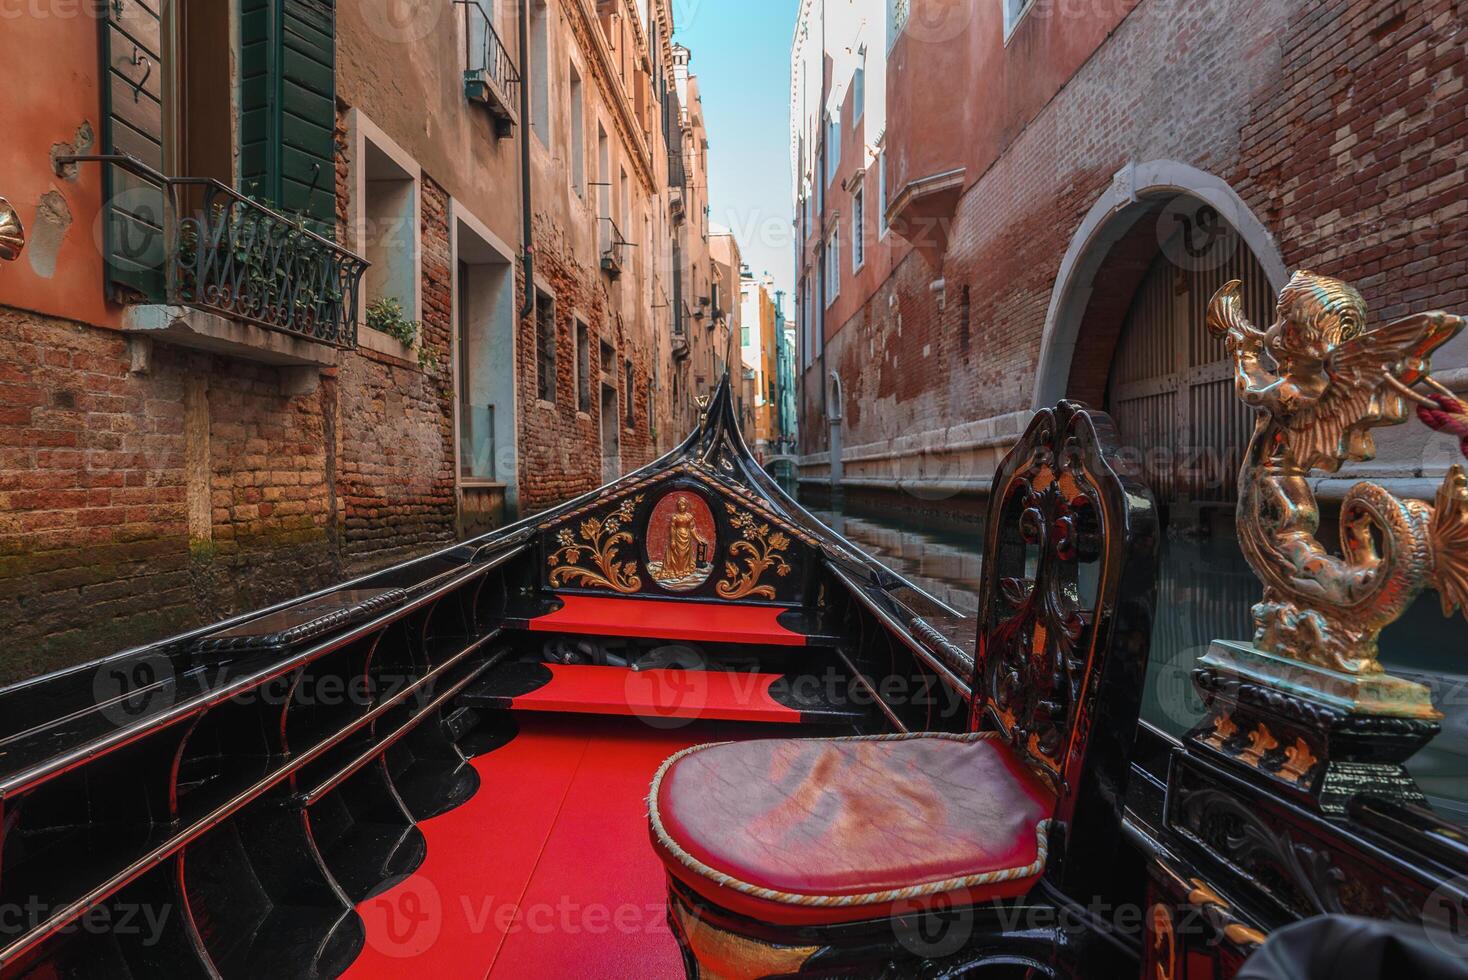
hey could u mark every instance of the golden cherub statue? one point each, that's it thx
(12, 233)
(1331, 383)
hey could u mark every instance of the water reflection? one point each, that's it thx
(1204, 591)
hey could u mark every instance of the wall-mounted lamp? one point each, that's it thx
(12, 232)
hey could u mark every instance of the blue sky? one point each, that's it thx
(741, 55)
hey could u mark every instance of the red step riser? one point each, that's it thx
(659, 694)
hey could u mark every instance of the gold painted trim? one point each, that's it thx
(1164, 938)
(1299, 760)
(1261, 742)
(1223, 730)
(760, 551)
(1242, 935)
(12, 232)
(600, 539)
(723, 955)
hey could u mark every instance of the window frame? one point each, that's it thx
(1012, 17)
(833, 265)
(582, 371)
(833, 146)
(542, 98)
(576, 121)
(361, 132)
(629, 385)
(545, 298)
(858, 227)
(882, 226)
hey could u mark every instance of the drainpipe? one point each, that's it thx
(833, 417)
(526, 245)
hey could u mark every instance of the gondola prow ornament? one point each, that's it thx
(12, 232)
(1321, 382)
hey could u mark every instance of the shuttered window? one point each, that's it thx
(132, 123)
(287, 114)
(288, 105)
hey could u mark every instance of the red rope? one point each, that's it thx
(1450, 416)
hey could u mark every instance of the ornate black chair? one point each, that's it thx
(890, 854)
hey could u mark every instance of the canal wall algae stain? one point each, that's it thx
(69, 605)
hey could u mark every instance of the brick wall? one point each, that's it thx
(97, 467)
(560, 446)
(137, 504)
(1341, 124)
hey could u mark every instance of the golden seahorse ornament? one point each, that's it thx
(12, 232)
(1321, 381)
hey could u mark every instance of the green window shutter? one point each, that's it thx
(288, 105)
(132, 122)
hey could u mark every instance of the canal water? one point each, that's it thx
(1205, 591)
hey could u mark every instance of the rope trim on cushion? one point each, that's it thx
(838, 901)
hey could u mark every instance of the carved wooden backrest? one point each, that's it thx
(1065, 606)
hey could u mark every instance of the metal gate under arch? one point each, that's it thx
(1171, 387)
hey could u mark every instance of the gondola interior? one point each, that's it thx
(444, 768)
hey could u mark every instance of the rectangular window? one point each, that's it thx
(389, 232)
(859, 90)
(802, 322)
(476, 421)
(545, 345)
(624, 201)
(484, 310)
(583, 367)
(833, 266)
(1013, 11)
(858, 228)
(833, 146)
(631, 413)
(578, 134)
(882, 194)
(603, 173)
(897, 13)
(539, 76)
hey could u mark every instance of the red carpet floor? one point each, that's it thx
(547, 870)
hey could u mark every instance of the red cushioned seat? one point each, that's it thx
(814, 831)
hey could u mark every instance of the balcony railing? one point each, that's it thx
(490, 74)
(613, 248)
(226, 254)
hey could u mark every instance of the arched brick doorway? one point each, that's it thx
(1169, 384)
(1125, 325)
(1110, 254)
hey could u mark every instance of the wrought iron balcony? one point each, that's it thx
(613, 248)
(490, 74)
(226, 254)
(680, 336)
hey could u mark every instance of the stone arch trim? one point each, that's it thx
(1135, 190)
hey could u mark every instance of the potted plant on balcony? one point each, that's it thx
(385, 314)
